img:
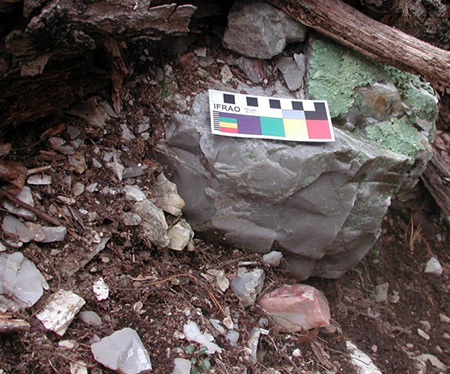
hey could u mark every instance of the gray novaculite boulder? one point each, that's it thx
(320, 204)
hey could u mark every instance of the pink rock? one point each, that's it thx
(297, 307)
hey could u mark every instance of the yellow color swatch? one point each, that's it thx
(228, 124)
(295, 128)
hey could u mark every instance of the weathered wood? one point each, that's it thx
(372, 38)
(9, 324)
(58, 56)
(437, 181)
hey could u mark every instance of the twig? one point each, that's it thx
(190, 276)
(46, 217)
(39, 169)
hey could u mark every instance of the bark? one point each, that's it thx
(372, 38)
(58, 50)
(437, 181)
(8, 324)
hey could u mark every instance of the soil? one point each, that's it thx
(157, 291)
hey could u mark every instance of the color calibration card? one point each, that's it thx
(251, 116)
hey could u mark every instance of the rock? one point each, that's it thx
(25, 196)
(257, 29)
(90, 318)
(233, 337)
(192, 333)
(100, 289)
(61, 309)
(39, 234)
(122, 352)
(292, 74)
(252, 344)
(361, 360)
(248, 284)
(73, 132)
(78, 367)
(226, 74)
(67, 344)
(132, 171)
(78, 189)
(12, 226)
(117, 168)
(221, 280)
(54, 234)
(255, 69)
(134, 193)
(423, 334)
(375, 102)
(297, 307)
(444, 318)
(20, 280)
(433, 360)
(127, 135)
(153, 227)
(130, 219)
(93, 111)
(39, 180)
(273, 258)
(77, 162)
(180, 235)
(434, 267)
(182, 366)
(381, 292)
(250, 192)
(166, 195)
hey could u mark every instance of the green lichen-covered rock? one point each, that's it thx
(335, 73)
(382, 105)
(396, 135)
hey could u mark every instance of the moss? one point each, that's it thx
(335, 72)
(396, 135)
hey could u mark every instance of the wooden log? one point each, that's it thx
(382, 43)
(436, 179)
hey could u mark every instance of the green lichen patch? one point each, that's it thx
(396, 135)
(421, 103)
(335, 72)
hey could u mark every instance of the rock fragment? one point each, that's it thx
(292, 75)
(297, 307)
(39, 180)
(180, 235)
(90, 318)
(273, 258)
(60, 311)
(167, 198)
(123, 352)
(100, 289)
(78, 367)
(434, 267)
(134, 193)
(25, 196)
(257, 29)
(12, 226)
(20, 279)
(253, 342)
(361, 360)
(192, 333)
(182, 366)
(248, 284)
(153, 226)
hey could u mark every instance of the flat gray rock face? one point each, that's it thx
(320, 204)
(257, 29)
